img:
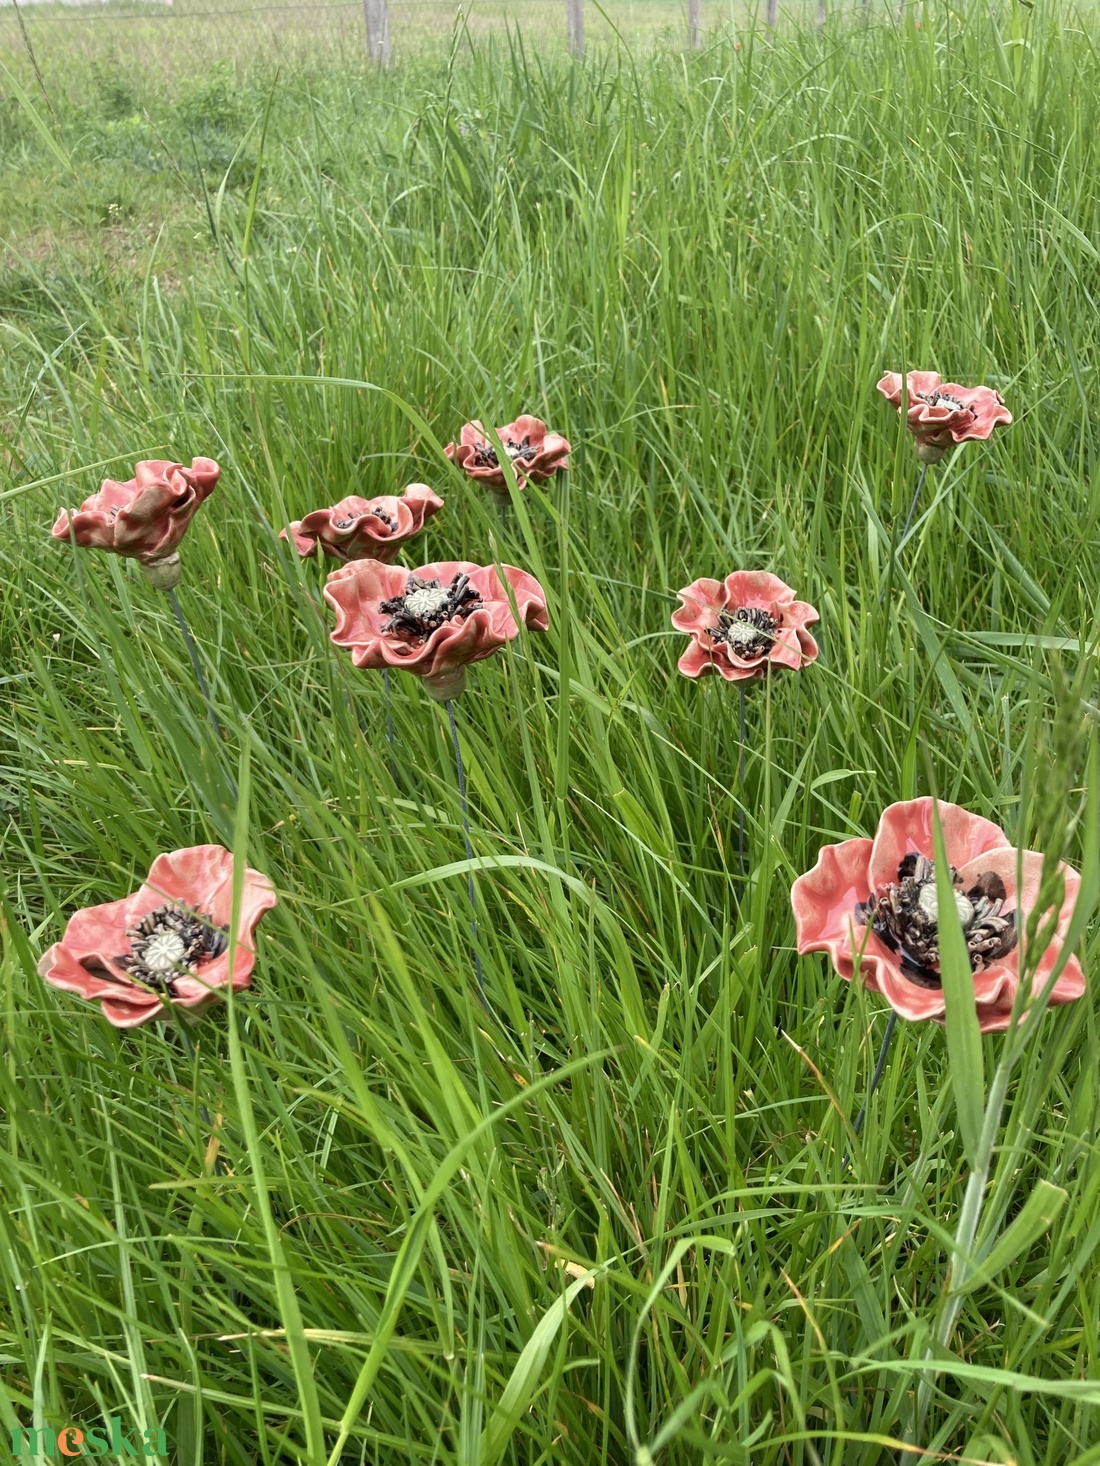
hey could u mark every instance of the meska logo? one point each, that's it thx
(71, 1440)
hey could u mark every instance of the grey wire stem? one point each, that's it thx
(741, 794)
(469, 848)
(897, 544)
(876, 1077)
(189, 1046)
(913, 505)
(389, 723)
(192, 652)
(219, 1164)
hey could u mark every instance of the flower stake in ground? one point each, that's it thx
(535, 453)
(434, 622)
(145, 520)
(365, 529)
(939, 414)
(740, 629)
(943, 917)
(165, 950)
(872, 905)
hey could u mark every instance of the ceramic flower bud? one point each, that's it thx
(872, 905)
(743, 626)
(364, 529)
(433, 622)
(536, 454)
(145, 518)
(166, 947)
(941, 413)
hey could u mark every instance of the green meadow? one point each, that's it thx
(617, 1212)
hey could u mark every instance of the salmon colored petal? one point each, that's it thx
(786, 650)
(800, 614)
(1071, 980)
(698, 616)
(121, 1015)
(757, 588)
(199, 879)
(908, 999)
(891, 387)
(1006, 863)
(825, 898)
(99, 928)
(547, 452)
(697, 662)
(359, 529)
(907, 826)
(997, 983)
(995, 1016)
(702, 600)
(961, 415)
(145, 518)
(808, 646)
(357, 590)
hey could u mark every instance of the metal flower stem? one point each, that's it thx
(389, 723)
(908, 521)
(913, 505)
(188, 1044)
(192, 652)
(741, 794)
(469, 848)
(219, 1163)
(876, 1077)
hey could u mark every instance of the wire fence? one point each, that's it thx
(377, 27)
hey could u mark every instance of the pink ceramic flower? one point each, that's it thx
(940, 413)
(145, 518)
(874, 901)
(743, 626)
(536, 453)
(170, 939)
(362, 529)
(433, 621)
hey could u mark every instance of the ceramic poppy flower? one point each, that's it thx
(941, 413)
(433, 621)
(743, 626)
(875, 901)
(364, 529)
(169, 940)
(145, 518)
(535, 452)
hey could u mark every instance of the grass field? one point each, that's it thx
(606, 1218)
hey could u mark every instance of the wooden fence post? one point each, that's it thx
(575, 13)
(378, 31)
(695, 23)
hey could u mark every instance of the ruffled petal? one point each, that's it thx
(907, 826)
(757, 588)
(824, 902)
(700, 603)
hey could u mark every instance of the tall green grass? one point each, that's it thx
(696, 268)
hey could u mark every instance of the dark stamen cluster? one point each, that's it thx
(939, 399)
(485, 455)
(906, 917)
(386, 519)
(427, 605)
(748, 631)
(169, 942)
